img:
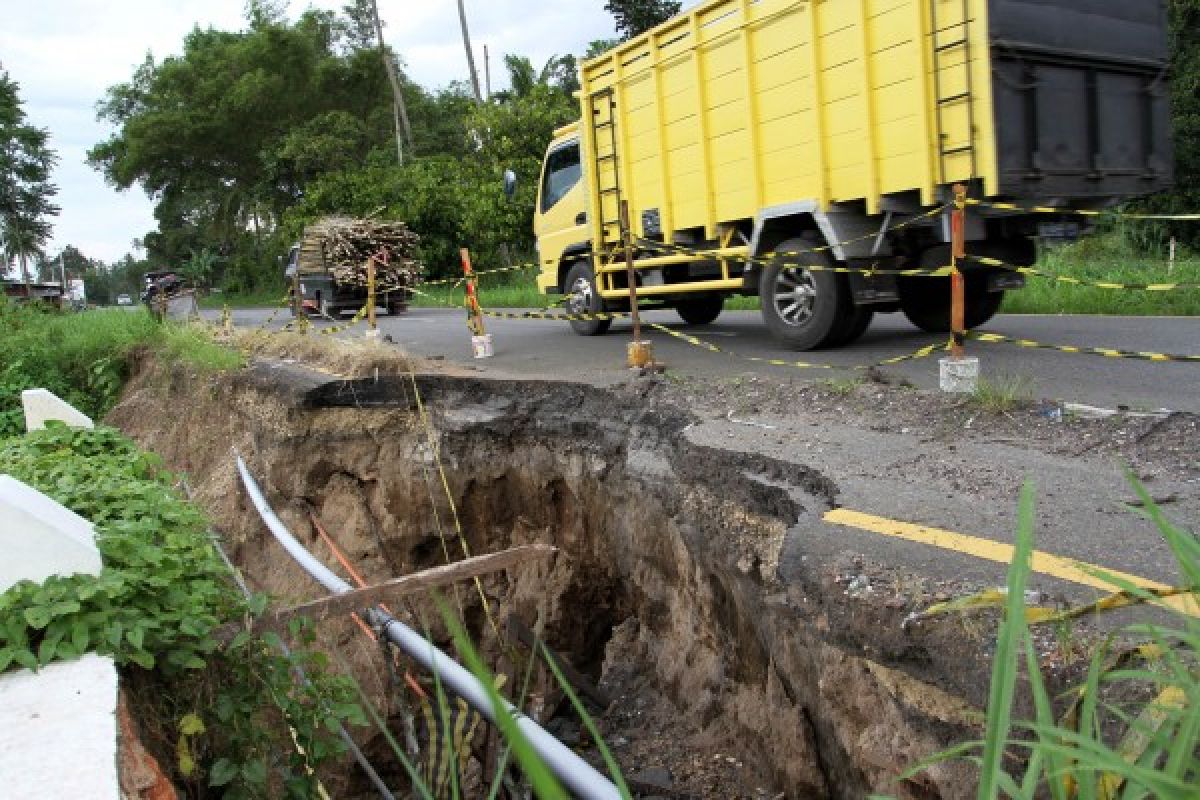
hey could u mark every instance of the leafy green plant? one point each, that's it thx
(157, 607)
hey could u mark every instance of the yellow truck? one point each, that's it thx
(744, 129)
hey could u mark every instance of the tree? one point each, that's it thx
(559, 72)
(225, 136)
(26, 194)
(1185, 123)
(634, 17)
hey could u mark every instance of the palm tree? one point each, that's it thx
(523, 77)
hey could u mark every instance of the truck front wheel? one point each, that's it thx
(701, 309)
(583, 298)
(804, 309)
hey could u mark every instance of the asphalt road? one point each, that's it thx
(548, 349)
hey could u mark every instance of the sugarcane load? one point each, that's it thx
(329, 268)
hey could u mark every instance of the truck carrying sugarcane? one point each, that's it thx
(329, 266)
(745, 130)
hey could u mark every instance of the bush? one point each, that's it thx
(156, 608)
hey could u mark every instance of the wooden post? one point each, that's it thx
(958, 251)
(372, 326)
(298, 303)
(474, 311)
(639, 354)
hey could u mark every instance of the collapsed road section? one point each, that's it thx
(725, 679)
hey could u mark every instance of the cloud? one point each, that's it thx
(66, 53)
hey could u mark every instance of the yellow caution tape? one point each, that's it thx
(995, 338)
(482, 273)
(782, 258)
(763, 257)
(303, 324)
(1170, 702)
(1084, 213)
(783, 362)
(284, 303)
(1137, 287)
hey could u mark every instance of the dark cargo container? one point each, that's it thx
(1081, 98)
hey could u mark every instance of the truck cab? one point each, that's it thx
(560, 219)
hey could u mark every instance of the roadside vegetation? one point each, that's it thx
(86, 358)
(221, 708)
(1131, 255)
(1131, 727)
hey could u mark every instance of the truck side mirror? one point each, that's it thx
(510, 184)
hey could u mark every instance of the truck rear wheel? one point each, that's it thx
(583, 298)
(804, 309)
(701, 309)
(926, 301)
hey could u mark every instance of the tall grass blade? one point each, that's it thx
(545, 785)
(1004, 667)
(614, 769)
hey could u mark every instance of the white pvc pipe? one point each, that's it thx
(578, 775)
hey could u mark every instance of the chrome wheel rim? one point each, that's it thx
(581, 296)
(795, 295)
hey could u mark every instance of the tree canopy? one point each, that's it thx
(246, 136)
(26, 193)
(634, 17)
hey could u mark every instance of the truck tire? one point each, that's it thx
(926, 301)
(701, 310)
(804, 309)
(582, 298)
(852, 327)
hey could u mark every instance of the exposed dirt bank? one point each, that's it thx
(729, 679)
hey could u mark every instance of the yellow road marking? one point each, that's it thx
(1067, 569)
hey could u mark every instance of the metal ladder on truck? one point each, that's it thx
(608, 173)
(949, 42)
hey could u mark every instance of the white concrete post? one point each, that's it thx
(42, 405)
(58, 726)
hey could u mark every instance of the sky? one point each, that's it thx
(64, 54)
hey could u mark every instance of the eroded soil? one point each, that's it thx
(727, 678)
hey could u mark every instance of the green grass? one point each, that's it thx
(85, 358)
(526, 295)
(1003, 393)
(1107, 258)
(268, 297)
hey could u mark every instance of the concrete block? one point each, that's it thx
(960, 375)
(42, 405)
(58, 731)
(39, 537)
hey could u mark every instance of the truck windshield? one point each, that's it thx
(562, 173)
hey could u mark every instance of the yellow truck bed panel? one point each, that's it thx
(741, 104)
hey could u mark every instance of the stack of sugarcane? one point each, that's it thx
(343, 246)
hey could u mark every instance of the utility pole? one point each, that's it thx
(399, 111)
(462, 20)
(487, 76)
